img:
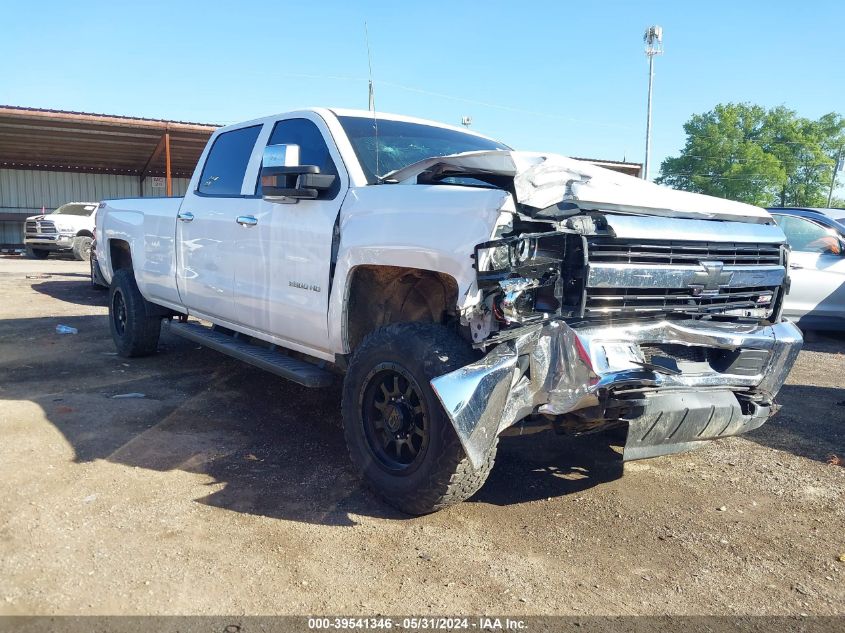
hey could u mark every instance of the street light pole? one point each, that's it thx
(833, 177)
(653, 39)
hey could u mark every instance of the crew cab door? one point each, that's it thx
(283, 253)
(816, 269)
(206, 226)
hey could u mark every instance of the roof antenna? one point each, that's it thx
(372, 96)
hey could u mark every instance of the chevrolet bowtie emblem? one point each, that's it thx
(713, 277)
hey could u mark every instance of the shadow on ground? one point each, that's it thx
(71, 290)
(811, 423)
(276, 447)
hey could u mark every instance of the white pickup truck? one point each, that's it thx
(463, 289)
(68, 228)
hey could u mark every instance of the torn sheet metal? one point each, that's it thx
(555, 369)
(555, 186)
(475, 397)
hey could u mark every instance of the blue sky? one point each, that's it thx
(561, 76)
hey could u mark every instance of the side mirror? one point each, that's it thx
(283, 179)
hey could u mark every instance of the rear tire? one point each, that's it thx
(82, 248)
(134, 331)
(398, 435)
(37, 253)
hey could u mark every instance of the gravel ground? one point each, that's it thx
(227, 490)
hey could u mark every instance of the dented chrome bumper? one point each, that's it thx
(556, 369)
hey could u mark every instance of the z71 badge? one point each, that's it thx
(304, 286)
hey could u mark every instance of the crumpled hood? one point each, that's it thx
(554, 186)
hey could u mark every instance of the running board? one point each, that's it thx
(299, 371)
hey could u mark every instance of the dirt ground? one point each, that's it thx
(227, 490)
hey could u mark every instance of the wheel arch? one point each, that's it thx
(120, 255)
(379, 295)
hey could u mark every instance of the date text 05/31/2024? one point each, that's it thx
(419, 623)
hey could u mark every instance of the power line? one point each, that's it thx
(757, 177)
(750, 178)
(758, 160)
(441, 95)
(502, 107)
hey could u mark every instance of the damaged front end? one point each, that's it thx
(608, 300)
(605, 320)
(673, 382)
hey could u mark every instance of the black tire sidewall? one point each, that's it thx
(140, 335)
(424, 351)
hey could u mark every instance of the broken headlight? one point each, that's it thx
(526, 277)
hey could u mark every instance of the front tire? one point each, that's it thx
(398, 435)
(134, 331)
(82, 248)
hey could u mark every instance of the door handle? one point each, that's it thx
(187, 216)
(796, 266)
(246, 220)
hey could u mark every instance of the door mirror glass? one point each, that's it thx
(280, 156)
(283, 179)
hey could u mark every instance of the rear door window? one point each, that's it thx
(224, 169)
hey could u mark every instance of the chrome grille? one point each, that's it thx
(636, 301)
(636, 251)
(31, 226)
(640, 278)
(46, 226)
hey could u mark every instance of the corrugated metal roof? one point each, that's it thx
(61, 140)
(632, 169)
(120, 117)
(623, 163)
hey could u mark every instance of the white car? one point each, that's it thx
(461, 288)
(68, 228)
(816, 297)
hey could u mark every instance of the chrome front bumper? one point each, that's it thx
(555, 369)
(53, 241)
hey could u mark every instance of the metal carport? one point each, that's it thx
(49, 157)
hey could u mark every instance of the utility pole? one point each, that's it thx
(836, 168)
(653, 39)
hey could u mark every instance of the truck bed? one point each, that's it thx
(155, 264)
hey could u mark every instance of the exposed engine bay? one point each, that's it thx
(607, 320)
(610, 268)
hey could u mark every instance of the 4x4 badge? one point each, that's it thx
(708, 281)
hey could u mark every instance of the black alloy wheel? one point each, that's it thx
(118, 311)
(395, 422)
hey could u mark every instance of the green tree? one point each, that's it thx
(765, 157)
